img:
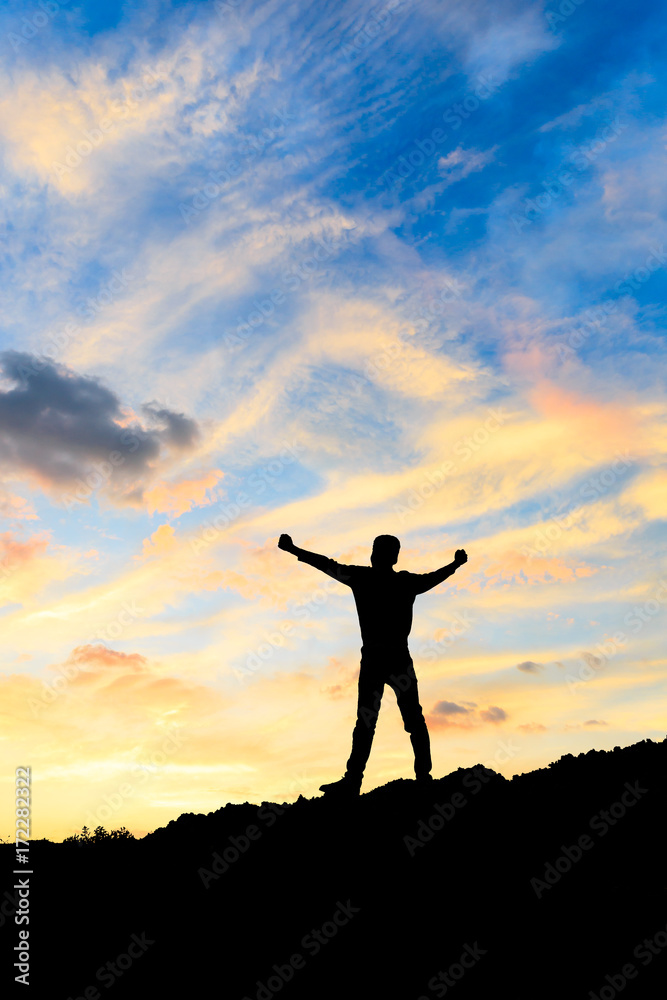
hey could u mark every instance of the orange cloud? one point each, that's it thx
(517, 568)
(179, 498)
(607, 423)
(162, 540)
(464, 716)
(269, 573)
(341, 680)
(97, 684)
(13, 506)
(26, 567)
(14, 553)
(649, 492)
(101, 656)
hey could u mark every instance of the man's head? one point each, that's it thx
(385, 551)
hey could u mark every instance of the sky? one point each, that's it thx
(335, 270)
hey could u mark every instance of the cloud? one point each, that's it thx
(596, 722)
(649, 493)
(95, 657)
(464, 716)
(504, 36)
(14, 552)
(533, 727)
(162, 540)
(461, 162)
(453, 167)
(177, 498)
(69, 430)
(344, 678)
(493, 714)
(28, 566)
(16, 508)
(530, 667)
(181, 432)
(450, 708)
(573, 117)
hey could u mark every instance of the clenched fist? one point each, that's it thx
(460, 556)
(285, 542)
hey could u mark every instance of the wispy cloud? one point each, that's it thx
(461, 162)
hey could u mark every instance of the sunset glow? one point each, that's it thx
(265, 274)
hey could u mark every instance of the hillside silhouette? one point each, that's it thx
(407, 892)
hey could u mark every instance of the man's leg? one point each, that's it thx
(404, 683)
(371, 687)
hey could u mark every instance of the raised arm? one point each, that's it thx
(426, 581)
(323, 563)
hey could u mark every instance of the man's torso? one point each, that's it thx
(384, 602)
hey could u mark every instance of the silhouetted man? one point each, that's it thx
(384, 602)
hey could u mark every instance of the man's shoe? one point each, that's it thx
(345, 786)
(424, 780)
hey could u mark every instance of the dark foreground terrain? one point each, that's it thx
(553, 884)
